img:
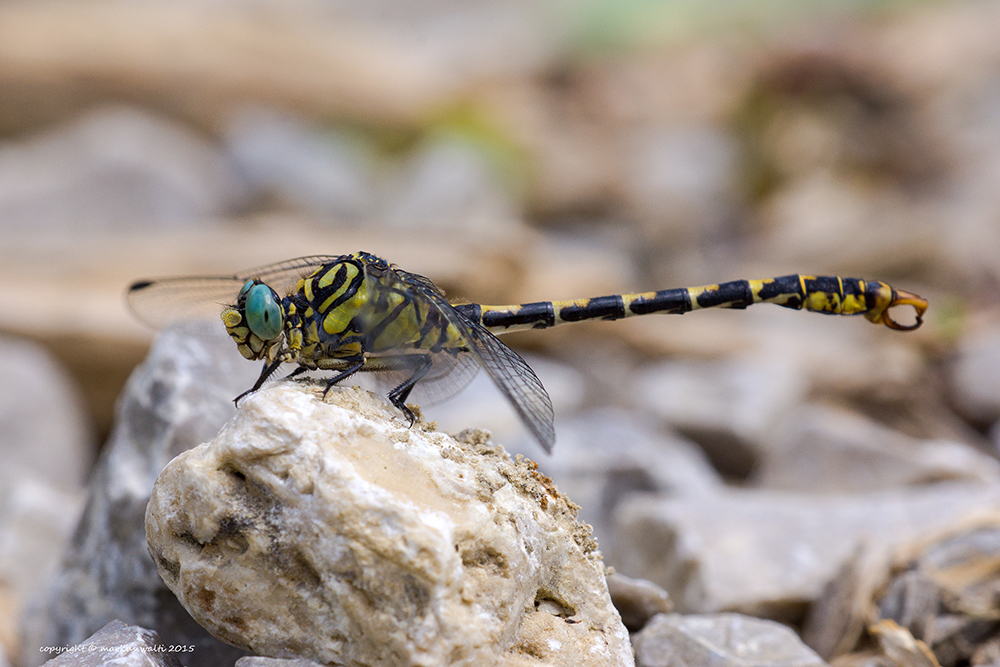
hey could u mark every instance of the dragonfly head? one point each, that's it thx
(256, 321)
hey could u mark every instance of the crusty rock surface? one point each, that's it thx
(329, 530)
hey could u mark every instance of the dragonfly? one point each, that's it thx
(358, 313)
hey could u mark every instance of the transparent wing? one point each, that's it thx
(448, 375)
(517, 382)
(506, 368)
(164, 301)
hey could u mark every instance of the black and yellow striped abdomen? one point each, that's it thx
(824, 294)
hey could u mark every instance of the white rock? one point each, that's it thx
(304, 165)
(827, 450)
(119, 645)
(258, 661)
(44, 430)
(111, 169)
(447, 187)
(608, 454)
(45, 448)
(680, 179)
(637, 600)
(332, 531)
(701, 549)
(726, 406)
(720, 640)
(975, 376)
(36, 521)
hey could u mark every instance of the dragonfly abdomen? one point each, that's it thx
(825, 294)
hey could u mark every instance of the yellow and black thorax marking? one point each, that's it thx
(360, 305)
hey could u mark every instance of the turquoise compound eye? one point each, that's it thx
(243, 290)
(263, 312)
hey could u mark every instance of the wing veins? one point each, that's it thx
(165, 301)
(520, 386)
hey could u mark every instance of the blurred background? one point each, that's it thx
(512, 151)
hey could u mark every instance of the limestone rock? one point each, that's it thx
(939, 590)
(843, 610)
(900, 646)
(720, 640)
(43, 428)
(36, 522)
(828, 450)
(726, 406)
(119, 645)
(303, 165)
(975, 376)
(680, 179)
(927, 596)
(111, 169)
(700, 549)
(258, 661)
(607, 454)
(177, 399)
(637, 600)
(447, 187)
(45, 448)
(926, 604)
(330, 530)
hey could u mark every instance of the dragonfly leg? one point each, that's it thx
(399, 395)
(265, 373)
(344, 374)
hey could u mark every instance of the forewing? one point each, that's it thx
(160, 302)
(283, 276)
(506, 368)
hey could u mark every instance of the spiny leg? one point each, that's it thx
(399, 395)
(265, 373)
(358, 364)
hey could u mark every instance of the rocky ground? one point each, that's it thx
(768, 487)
